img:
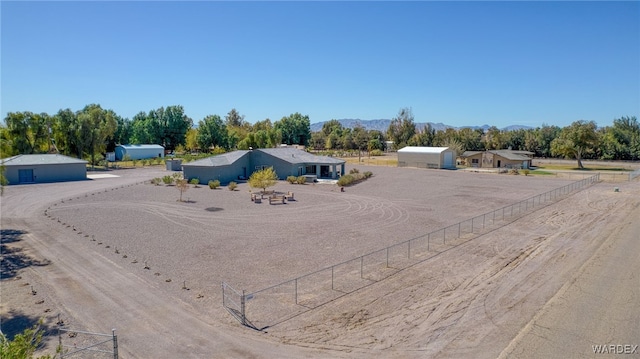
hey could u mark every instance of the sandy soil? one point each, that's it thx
(482, 298)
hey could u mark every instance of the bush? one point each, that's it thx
(168, 180)
(376, 153)
(176, 175)
(346, 180)
(194, 182)
(156, 181)
(514, 171)
(292, 179)
(232, 186)
(214, 184)
(526, 172)
(301, 180)
(135, 163)
(353, 177)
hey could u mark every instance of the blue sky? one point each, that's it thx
(460, 63)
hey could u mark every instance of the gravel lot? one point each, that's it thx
(119, 250)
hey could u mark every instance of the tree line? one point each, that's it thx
(92, 131)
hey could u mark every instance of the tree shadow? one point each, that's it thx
(15, 323)
(12, 257)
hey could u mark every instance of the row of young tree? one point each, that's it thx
(92, 131)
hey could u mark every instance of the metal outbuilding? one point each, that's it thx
(139, 152)
(44, 168)
(426, 157)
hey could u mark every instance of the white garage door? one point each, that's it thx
(448, 160)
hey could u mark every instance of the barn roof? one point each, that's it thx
(41, 159)
(223, 159)
(133, 147)
(417, 149)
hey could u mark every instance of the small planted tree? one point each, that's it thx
(214, 184)
(263, 178)
(182, 185)
(195, 182)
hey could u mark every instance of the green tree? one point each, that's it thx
(212, 132)
(295, 129)
(622, 140)
(66, 133)
(576, 140)
(263, 179)
(23, 345)
(96, 125)
(545, 135)
(29, 132)
(233, 119)
(402, 128)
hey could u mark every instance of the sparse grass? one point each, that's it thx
(574, 168)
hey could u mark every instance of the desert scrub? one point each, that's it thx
(353, 177)
(232, 186)
(168, 180)
(376, 153)
(292, 179)
(214, 184)
(195, 182)
(301, 180)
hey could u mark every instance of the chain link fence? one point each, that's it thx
(269, 306)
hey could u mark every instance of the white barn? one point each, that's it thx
(427, 157)
(139, 152)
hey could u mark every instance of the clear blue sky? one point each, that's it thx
(460, 63)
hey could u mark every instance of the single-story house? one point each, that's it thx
(426, 157)
(44, 168)
(241, 164)
(497, 159)
(138, 152)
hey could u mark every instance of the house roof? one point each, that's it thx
(133, 147)
(416, 149)
(41, 159)
(470, 153)
(296, 156)
(513, 155)
(508, 154)
(223, 159)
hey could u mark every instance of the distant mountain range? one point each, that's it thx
(382, 125)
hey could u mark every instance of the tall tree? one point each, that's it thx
(233, 119)
(66, 133)
(175, 125)
(576, 140)
(29, 132)
(402, 128)
(212, 132)
(295, 129)
(96, 125)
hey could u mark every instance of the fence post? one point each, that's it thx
(332, 277)
(115, 344)
(242, 300)
(60, 340)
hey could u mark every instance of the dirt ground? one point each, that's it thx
(117, 253)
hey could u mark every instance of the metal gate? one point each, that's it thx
(233, 301)
(77, 341)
